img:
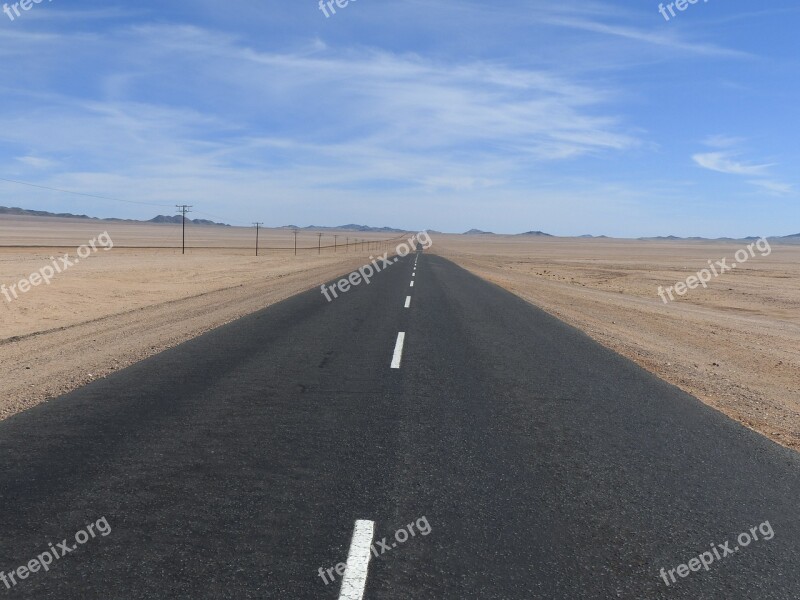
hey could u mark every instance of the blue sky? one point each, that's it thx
(565, 116)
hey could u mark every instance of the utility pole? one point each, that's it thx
(347, 245)
(295, 241)
(336, 237)
(257, 224)
(183, 209)
(319, 246)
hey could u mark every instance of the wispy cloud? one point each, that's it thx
(724, 162)
(547, 108)
(373, 114)
(36, 162)
(775, 187)
(722, 141)
(649, 37)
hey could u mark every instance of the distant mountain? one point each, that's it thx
(788, 239)
(43, 213)
(348, 227)
(177, 219)
(477, 232)
(536, 233)
(354, 227)
(4, 210)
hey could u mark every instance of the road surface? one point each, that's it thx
(529, 461)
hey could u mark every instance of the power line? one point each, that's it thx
(183, 208)
(258, 225)
(139, 202)
(52, 189)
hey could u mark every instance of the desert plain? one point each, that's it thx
(733, 345)
(142, 296)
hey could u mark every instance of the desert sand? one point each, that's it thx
(734, 345)
(121, 305)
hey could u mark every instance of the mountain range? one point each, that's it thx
(176, 219)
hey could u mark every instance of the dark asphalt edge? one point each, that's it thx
(754, 435)
(167, 351)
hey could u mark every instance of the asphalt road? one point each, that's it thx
(530, 462)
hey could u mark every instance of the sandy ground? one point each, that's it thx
(118, 306)
(733, 345)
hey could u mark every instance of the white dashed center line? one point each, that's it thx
(412, 284)
(408, 301)
(355, 575)
(398, 350)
